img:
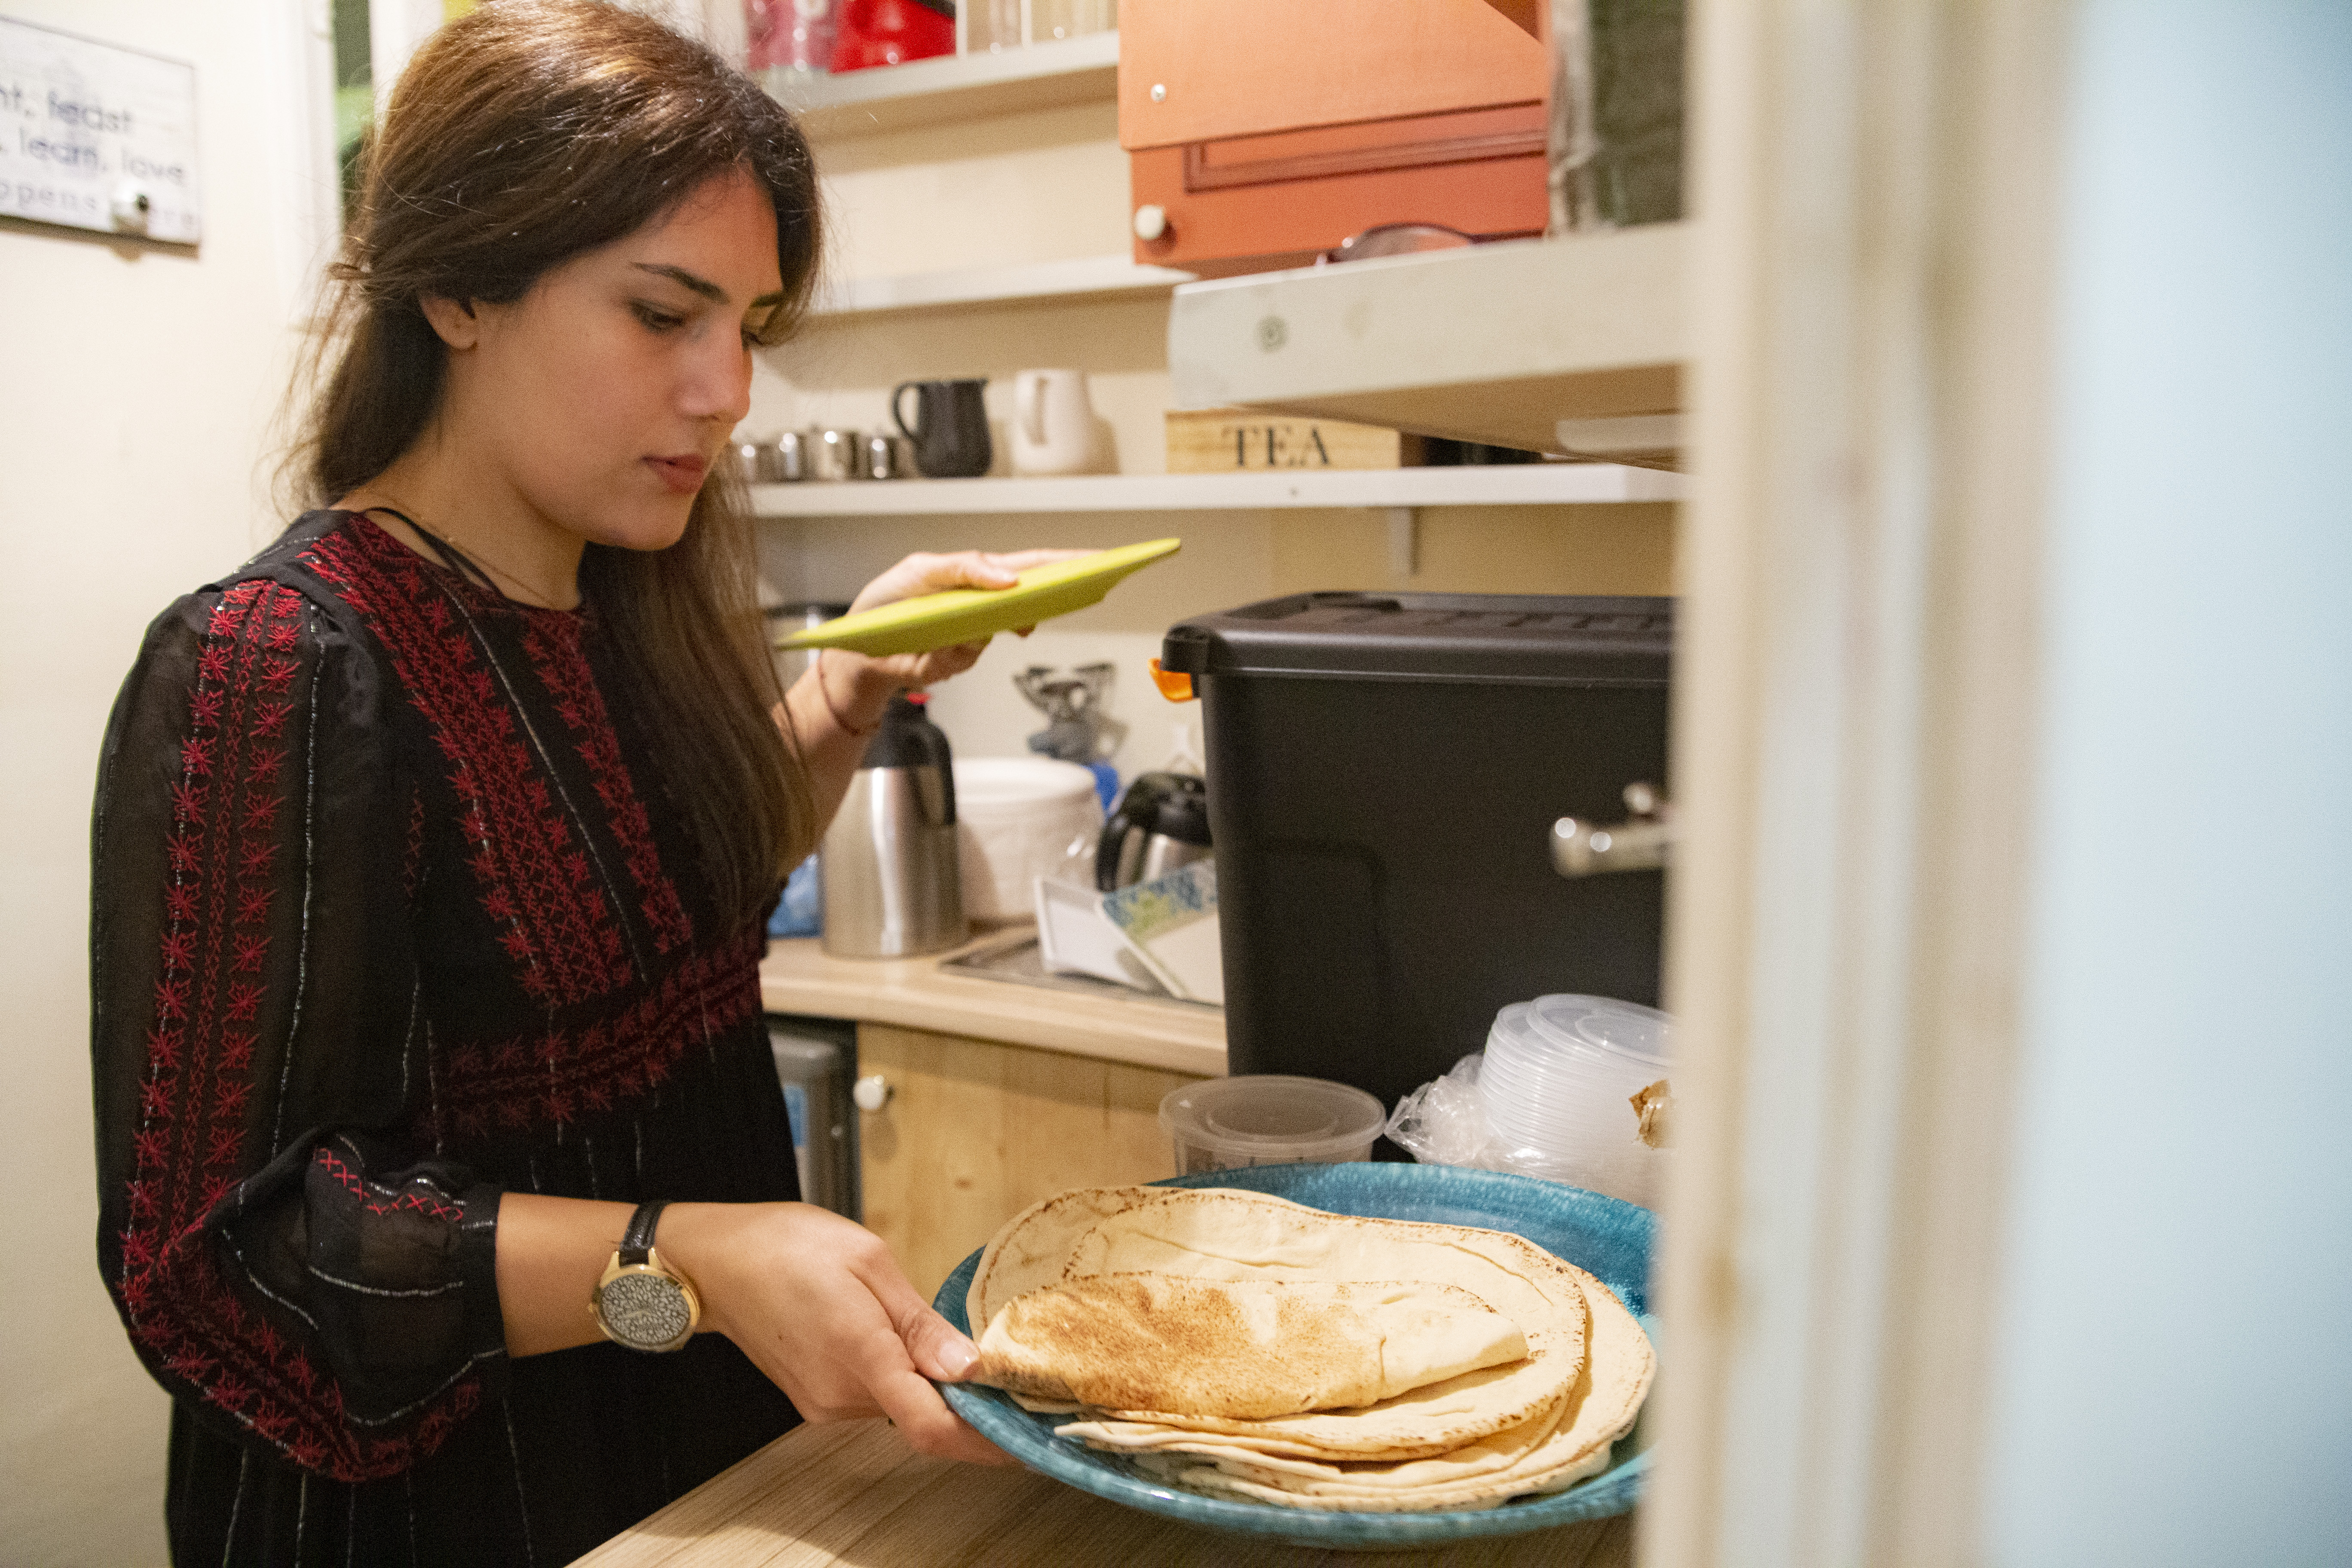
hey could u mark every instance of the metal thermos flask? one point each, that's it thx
(891, 887)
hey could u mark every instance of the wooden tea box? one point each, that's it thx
(1248, 440)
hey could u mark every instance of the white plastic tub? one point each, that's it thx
(1014, 817)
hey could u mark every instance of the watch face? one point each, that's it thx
(646, 1310)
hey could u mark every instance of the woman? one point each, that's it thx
(432, 849)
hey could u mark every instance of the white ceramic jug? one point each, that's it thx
(1053, 424)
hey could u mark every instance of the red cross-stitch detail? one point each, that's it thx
(416, 1197)
(380, 1200)
(551, 1075)
(190, 1149)
(557, 923)
(562, 664)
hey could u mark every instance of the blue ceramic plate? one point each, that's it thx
(1602, 1236)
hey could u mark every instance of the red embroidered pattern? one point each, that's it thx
(192, 1145)
(418, 1197)
(531, 870)
(562, 1075)
(562, 666)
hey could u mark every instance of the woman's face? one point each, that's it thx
(603, 396)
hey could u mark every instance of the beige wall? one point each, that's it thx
(140, 383)
(1050, 185)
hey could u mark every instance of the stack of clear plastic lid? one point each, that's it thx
(1558, 1079)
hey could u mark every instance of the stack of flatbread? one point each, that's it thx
(1244, 1345)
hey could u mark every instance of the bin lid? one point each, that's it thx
(1531, 638)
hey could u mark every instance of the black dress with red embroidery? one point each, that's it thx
(389, 916)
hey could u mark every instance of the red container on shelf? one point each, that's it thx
(891, 31)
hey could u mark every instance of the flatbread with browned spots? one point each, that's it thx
(1239, 1349)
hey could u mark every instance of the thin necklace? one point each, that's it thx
(453, 556)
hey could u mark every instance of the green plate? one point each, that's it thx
(974, 615)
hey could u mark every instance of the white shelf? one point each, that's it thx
(1075, 278)
(1524, 484)
(951, 88)
(1495, 343)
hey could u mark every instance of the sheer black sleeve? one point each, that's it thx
(288, 1258)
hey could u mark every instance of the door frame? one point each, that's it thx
(1874, 189)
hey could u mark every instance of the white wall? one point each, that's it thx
(139, 385)
(2175, 1382)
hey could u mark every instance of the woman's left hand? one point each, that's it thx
(877, 678)
(819, 1304)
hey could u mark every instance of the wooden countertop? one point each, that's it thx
(799, 976)
(856, 1494)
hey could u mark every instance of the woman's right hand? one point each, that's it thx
(874, 679)
(820, 1306)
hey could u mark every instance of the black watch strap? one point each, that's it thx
(637, 1241)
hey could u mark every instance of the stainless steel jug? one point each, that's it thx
(1159, 823)
(891, 885)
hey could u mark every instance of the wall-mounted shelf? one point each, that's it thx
(1495, 343)
(961, 87)
(1525, 484)
(1075, 278)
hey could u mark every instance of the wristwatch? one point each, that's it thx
(641, 1301)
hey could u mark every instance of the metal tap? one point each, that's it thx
(1642, 842)
(1081, 728)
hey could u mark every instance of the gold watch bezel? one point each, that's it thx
(653, 1265)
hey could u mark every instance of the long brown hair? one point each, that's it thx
(519, 136)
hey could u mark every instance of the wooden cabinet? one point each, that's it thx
(1259, 135)
(974, 1131)
(1201, 70)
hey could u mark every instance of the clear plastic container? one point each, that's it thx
(1268, 1120)
(1559, 1071)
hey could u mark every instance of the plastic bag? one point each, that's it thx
(801, 912)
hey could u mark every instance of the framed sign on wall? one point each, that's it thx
(95, 136)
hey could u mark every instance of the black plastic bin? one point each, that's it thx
(1384, 771)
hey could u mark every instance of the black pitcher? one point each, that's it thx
(950, 427)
